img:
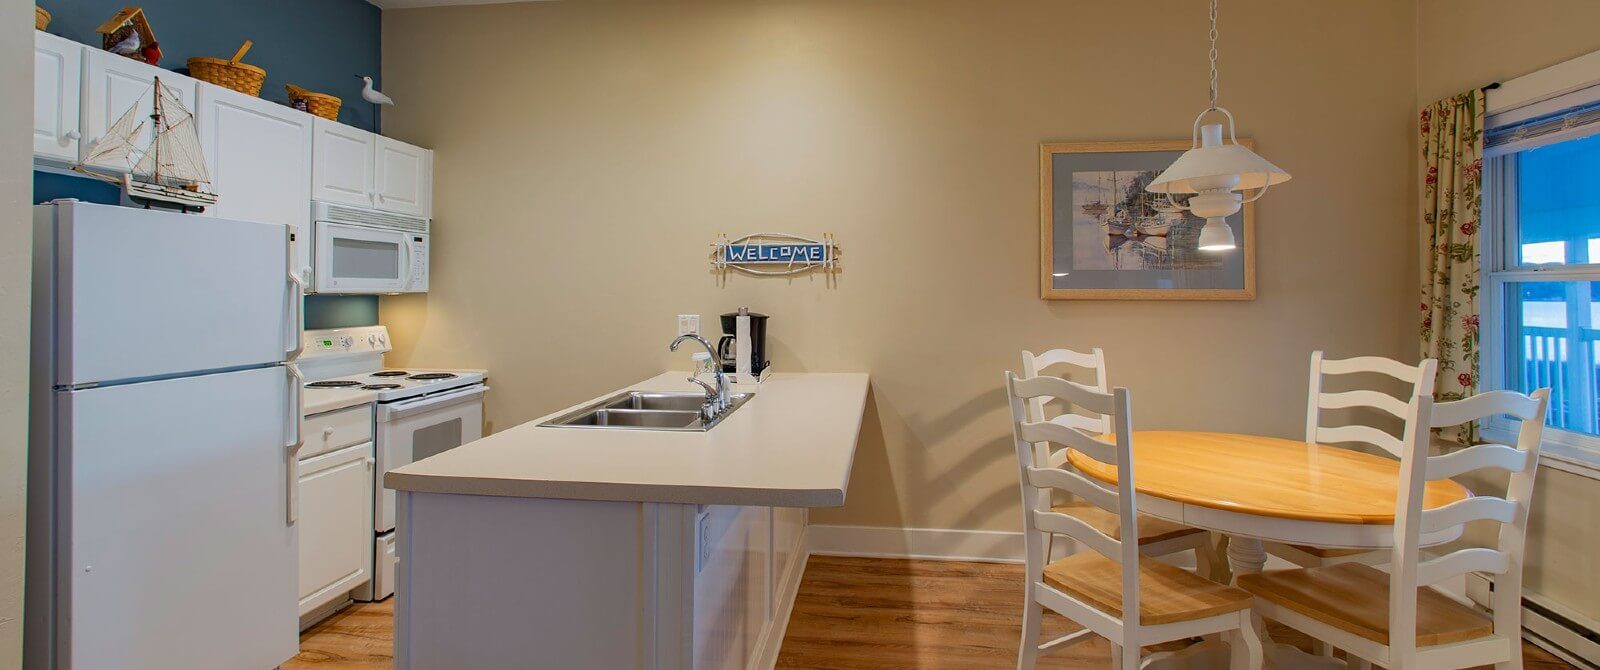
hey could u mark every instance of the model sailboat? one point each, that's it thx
(169, 171)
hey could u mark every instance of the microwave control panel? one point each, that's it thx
(417, 279)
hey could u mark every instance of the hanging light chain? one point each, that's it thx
(1213, 54)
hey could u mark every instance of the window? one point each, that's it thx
(1542, 279)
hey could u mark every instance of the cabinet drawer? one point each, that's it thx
(328, 431)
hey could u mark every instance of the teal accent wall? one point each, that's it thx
(341, 311)
(317, 44)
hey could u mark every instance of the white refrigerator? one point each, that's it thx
(165, 420)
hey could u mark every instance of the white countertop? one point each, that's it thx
(790, 446)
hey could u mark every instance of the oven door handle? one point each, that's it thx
(405, 408)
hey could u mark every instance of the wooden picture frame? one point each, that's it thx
(1232, 277)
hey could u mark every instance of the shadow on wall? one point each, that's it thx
(936, 463)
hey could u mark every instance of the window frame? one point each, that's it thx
(1502, 266)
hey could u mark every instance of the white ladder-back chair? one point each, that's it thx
(1110, 588)
(1393, 619)
(1157, 537)
(1420, 379)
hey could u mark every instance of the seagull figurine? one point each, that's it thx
(370, 94)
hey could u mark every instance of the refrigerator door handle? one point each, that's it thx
(297, 421)
(297, 297)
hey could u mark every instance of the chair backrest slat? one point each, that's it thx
(1476, 508)
(1061, 524)
(1420, 377)
(1074, 483)
(1477, 559)
(1497, 456)
(1363, 398)
(1055, 433)
(1038, 477)
(1359, 433)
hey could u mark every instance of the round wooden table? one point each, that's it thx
(1256, 489)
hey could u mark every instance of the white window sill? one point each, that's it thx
(1562, 450)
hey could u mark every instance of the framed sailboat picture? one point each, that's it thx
(1104, 237)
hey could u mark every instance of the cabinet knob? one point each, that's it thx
(327, 432)
(72, 135)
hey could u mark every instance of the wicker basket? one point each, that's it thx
(229, 73)
(321, 104)
(41, 18)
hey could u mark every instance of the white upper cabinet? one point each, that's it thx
(342, 164)
(404, 181)
(114, 83)
(57, 78)
(259, 155)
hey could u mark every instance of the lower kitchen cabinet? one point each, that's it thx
(489, 581)
(335, 519)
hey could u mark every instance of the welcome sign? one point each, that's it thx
(775, 254)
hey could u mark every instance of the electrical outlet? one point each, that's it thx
(688, 324)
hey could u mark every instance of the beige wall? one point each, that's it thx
(588, 152)
(1467, 43)
(16, 234)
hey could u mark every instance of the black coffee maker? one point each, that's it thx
(727, 347)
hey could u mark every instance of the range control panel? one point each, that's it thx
(336, 341)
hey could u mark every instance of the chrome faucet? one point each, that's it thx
(716, 398)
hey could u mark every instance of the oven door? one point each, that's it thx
(357, 259)
(416, 428)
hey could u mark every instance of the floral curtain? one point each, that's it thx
(1452, 180)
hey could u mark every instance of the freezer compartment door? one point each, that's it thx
(175, 543)
(143, 293)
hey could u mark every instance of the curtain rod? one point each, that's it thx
(1492, 86)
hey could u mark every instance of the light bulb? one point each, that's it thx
(1217, 235)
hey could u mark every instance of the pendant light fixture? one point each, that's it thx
(1217, 173)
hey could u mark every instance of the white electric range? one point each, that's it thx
(418, 413)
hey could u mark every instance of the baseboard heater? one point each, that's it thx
(1554, 627)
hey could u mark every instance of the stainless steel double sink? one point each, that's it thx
(646, 410)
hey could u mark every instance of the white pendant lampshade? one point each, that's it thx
(1216, 172)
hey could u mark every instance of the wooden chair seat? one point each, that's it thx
(1354, 598)
(1151, 529)
(1167, 594)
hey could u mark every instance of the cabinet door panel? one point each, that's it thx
(259, 153)
(335, 519)
(404, 177)
(342, 164)
(57, 80)
(731, 587)
(114, 83)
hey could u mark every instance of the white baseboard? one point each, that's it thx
(771, 641)
(991, 546)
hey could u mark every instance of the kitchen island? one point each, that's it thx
(563, 547)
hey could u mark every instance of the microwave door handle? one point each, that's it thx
(295, 422)
(405, 272)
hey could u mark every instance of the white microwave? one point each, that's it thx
(359, 250)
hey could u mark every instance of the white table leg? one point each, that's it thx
(1249, 556)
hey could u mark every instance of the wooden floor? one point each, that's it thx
(851, 613)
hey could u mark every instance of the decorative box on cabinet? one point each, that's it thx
(57, 82)
(259, 155)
